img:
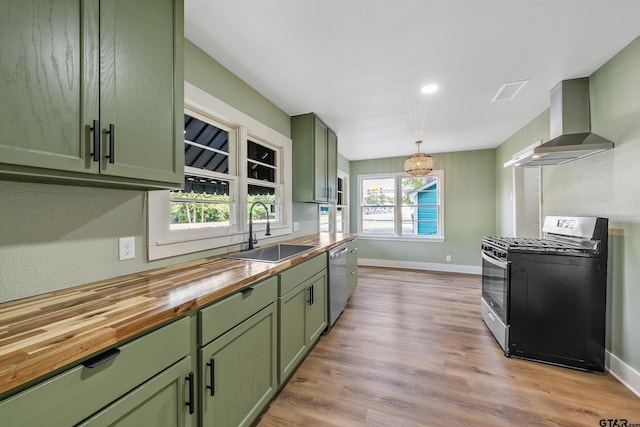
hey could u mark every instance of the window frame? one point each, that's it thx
(162, 242)
(231, 177)
(332, 209)
(279, 176)
(397, 233)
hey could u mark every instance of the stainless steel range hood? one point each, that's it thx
(570, 129)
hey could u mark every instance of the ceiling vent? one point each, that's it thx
(509, 91)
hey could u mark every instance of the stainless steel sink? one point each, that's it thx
(273, 253)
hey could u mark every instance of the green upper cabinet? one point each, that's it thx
(66, 65)
(315, 160)
(49, 84)
(332, 166)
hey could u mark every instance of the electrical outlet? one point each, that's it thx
(448, 258)
(296, 226)
(126, 248)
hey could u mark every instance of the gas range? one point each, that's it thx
(575, 236)
(545, 299)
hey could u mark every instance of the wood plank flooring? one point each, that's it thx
(411, 349)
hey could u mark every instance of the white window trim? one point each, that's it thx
(398, 211)
(163, 242)
(333, 214)
(346, 195)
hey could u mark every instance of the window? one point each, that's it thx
(401, 206)
(208, 196)
(231, 161)
(263, 180)
(335, 218)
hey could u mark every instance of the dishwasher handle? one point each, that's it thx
(338, 254)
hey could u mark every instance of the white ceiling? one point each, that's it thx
(360, 64)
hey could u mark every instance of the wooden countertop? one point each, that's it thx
(45, 332)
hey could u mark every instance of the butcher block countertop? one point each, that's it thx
(42, 333)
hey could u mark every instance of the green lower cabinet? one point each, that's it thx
(137, 368)
(303, 318)
(293, 334)
(238, 371)
(317, 310)
(352, 266)
(163, 401)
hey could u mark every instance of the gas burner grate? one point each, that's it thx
(534, 245)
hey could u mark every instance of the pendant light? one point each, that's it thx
(419, 164)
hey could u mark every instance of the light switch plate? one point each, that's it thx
(126, 248)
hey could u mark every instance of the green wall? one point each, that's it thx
(54, 237)
(606, 184)
(469, 209)
(209, 75)
(537, 129)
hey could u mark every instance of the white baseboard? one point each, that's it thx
(623, 372)
(451, 268)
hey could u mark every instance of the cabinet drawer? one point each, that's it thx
(297, 274)
(70, 397)
(227, 313)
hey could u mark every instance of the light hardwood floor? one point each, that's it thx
(411, 349)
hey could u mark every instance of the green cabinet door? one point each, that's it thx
(238, 371)
(163, 401)
(293, 330)
(315, 160)
(92, 92)
(303, 318)
(48, 84)
(317, 317)
(141, 90)
(332, 167)
(321, 191)
(352, 267)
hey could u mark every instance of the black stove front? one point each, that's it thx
(545, 299)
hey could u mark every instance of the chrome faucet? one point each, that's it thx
(252, 238)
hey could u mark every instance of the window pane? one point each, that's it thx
(266, 195)
(261, 172)
(260, 153)
(261, 162)
(204, 202)
(324, 219)
(415, 188)
(376, 220)
(340, 218)
(378, 210)
(206, 146)
(420, 206)
(377, 192)
(420, 220)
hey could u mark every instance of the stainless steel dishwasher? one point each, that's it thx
(337, 282)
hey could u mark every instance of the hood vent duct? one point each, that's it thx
(570, 129)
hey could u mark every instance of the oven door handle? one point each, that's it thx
(495, 261)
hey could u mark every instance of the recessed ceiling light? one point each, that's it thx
(432, 88)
